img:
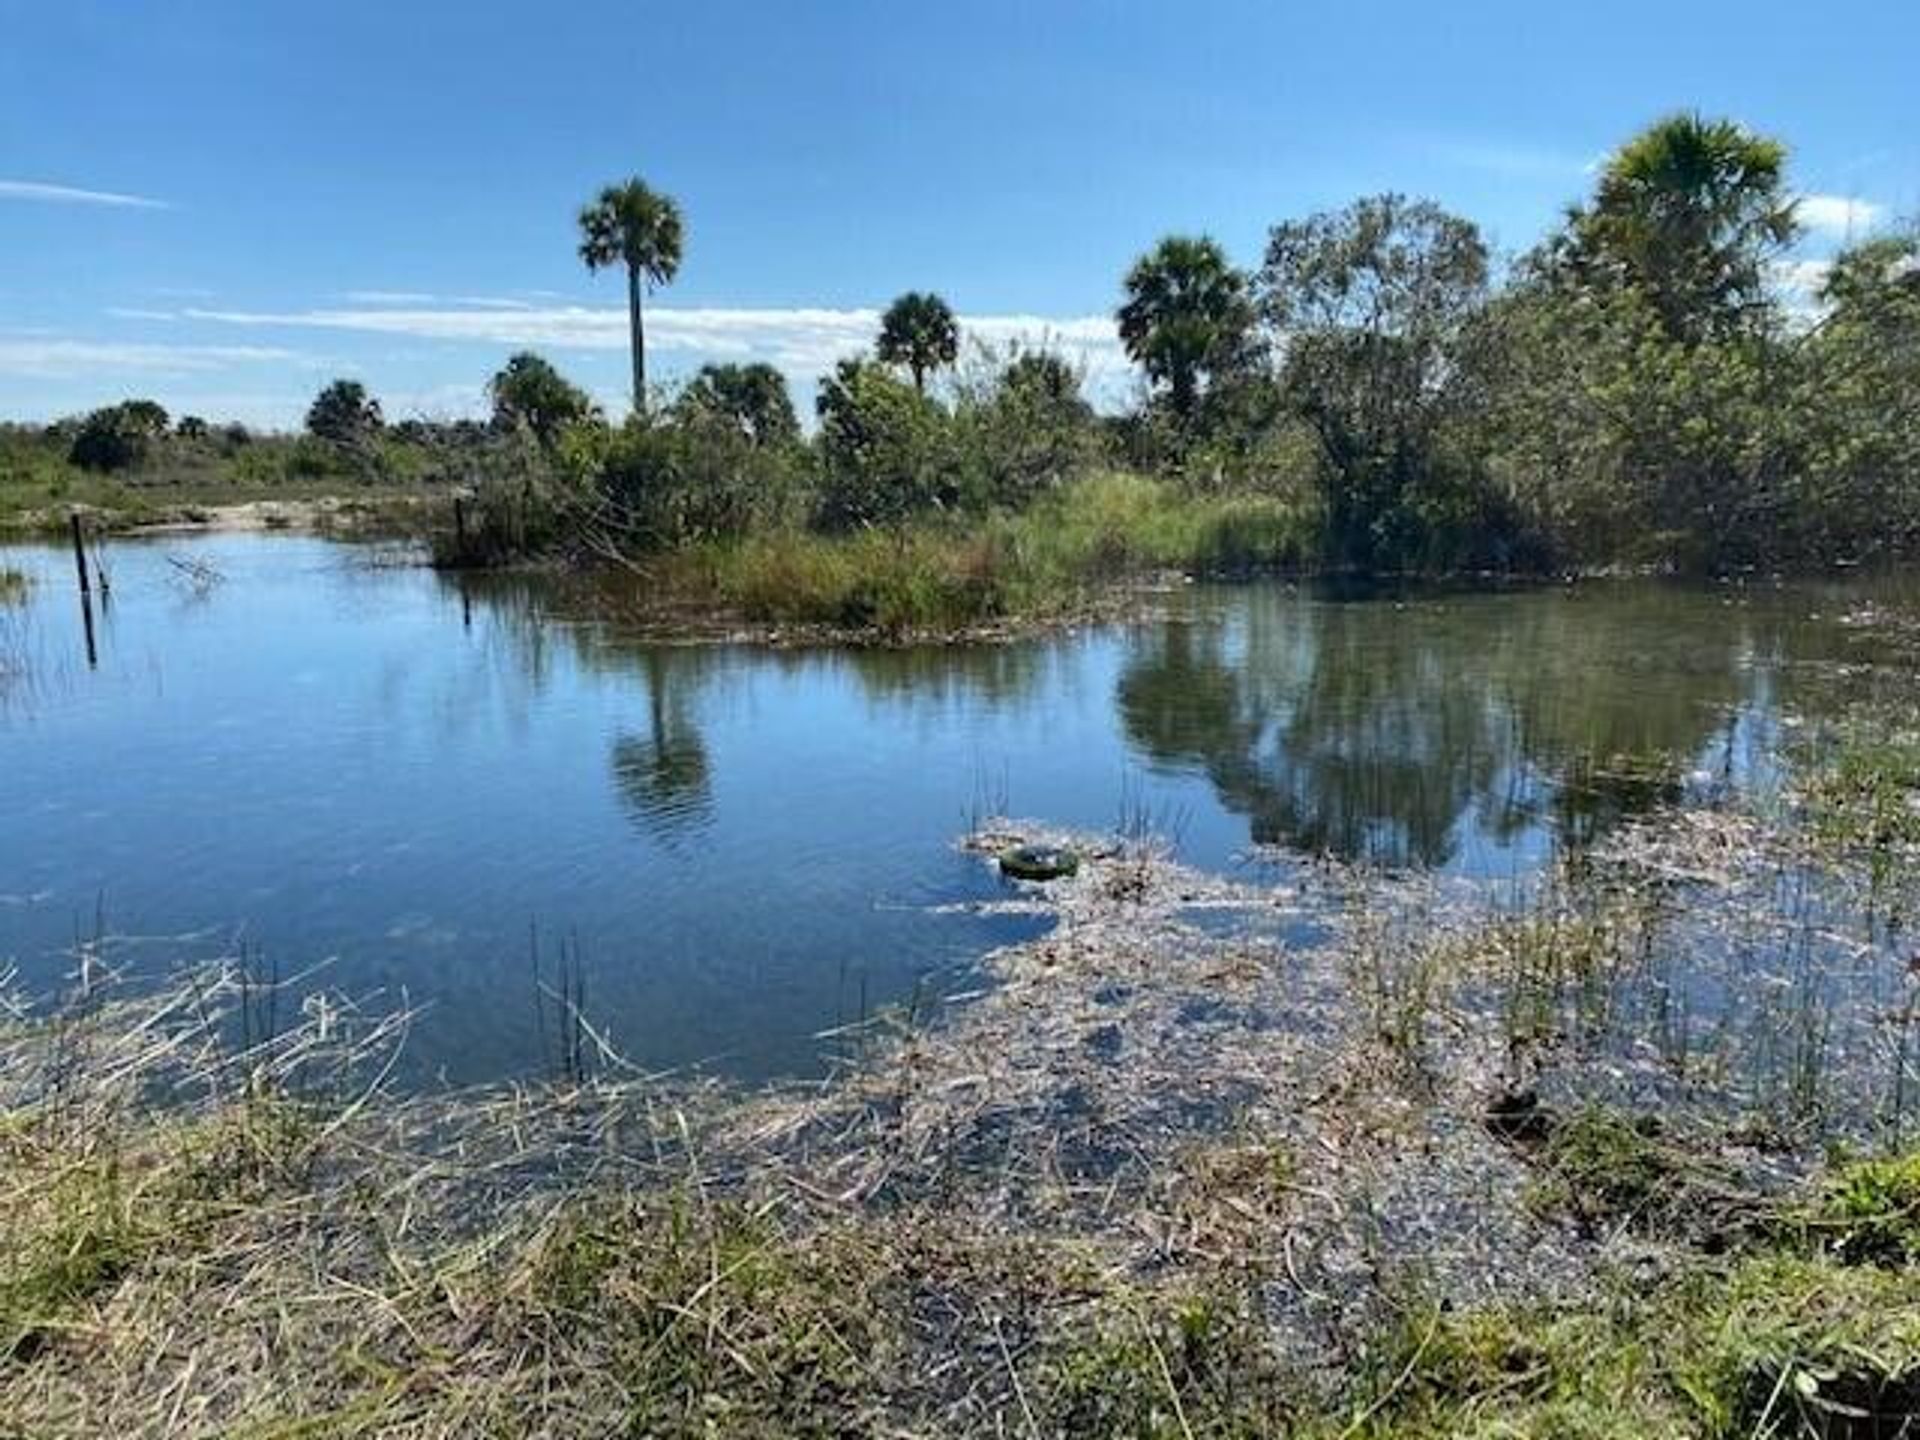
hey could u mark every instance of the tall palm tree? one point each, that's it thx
(1690, 210)
(1186, 316)
(634, 226)
(919, 332)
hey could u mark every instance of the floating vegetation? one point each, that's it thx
(14, 585)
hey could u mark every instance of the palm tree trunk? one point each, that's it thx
(638, 336)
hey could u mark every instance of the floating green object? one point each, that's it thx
(1038, 862)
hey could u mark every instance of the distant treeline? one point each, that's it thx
(1642, 387)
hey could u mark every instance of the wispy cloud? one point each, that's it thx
(388, 299)
(800, 340)
(74, 195)
(1838, 215)
(53, 358)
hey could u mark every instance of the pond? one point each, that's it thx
(420, 788)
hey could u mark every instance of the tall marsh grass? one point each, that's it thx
(951, 573)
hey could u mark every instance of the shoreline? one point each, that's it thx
(1315, 1173)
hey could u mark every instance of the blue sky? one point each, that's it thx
(224, 204)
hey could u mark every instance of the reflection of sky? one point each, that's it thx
(347, 764)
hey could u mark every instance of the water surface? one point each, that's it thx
(399, 778)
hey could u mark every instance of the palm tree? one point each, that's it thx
(919, 332)
(1186, 316)
(1690, 210)
(634, 226)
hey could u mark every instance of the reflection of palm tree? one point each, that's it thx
(663, 776)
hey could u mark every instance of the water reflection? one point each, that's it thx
(663, 773)
(1400, 733)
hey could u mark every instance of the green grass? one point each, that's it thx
(1865, 791)
(84, 1211)
(1048, 561)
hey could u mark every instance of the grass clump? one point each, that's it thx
(1868, 1211)
(1866, 794)
(713, 1318)
(1777, 1346)
(946, 574)
(83, 1211)
(1169, 1368)
(13, 586)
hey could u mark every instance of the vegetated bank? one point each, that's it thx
(1653, 384)
(1426, 1166)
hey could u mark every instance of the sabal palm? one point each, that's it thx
(919, 331)
(634, 226)
(1186, 314)
(1691, 209)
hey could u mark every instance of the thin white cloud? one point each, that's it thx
(73, 195)
(802, 341)
(1838, 215)
(413, 298)
(387, 297)
(65, 359)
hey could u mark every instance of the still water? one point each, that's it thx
(394, 778)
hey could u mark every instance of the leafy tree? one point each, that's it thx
(117, 437)
(919, 332)
(1045, 377)
(1186, 318)
(1860, 407)
(529, 391)
(632, 225)
(1025, 429)
(1690, 211)
(148, 415)
(1372, 301)
(191, 427)
(882, 447)
(751, 398)
(344, 414)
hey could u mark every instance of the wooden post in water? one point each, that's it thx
(460, 527)
(79, 552)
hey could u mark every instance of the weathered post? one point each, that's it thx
(79, 552)
(460, 528)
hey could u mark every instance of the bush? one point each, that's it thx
(118, 437)
(885, 449)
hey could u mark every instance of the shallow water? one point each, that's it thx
(397, 779)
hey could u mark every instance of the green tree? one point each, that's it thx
(882, 447)
(751, 398)
(1024, 428)
(117, 437)
(345, 414)
(1186, 318)
(148, 415)
(529, 391)
(919, 332)
(1372, 301)
(1690, 211)
(1861, 403)
(632, 225)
